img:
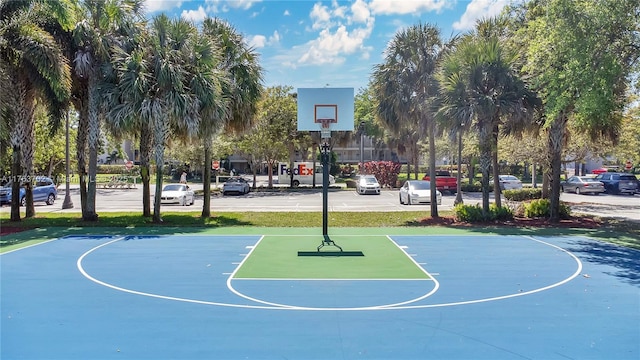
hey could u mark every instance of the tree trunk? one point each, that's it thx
(206, 179)
(458, 199)
(18, 133)
(93, 138)
(415, 157)
(557, 133)
(146, 143)
(27, 148)
(15, 185)
(432, 168)
(81, 151)
(497, 192)
(484, 140)
(160, 130)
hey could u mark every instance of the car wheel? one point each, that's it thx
(409, 200)
(562, 189)
(183, 202)
(295, 183)
(400, 197)
(23, 201)
(577, 191)
(193, 200)
(50, 199)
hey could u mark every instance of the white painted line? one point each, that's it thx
(26, 247)
(403, 246)
(275, 306)
(249, 247)
(331, 279)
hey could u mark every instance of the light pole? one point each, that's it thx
(67, 204)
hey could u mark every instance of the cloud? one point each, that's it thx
(360, 12)
(478, 9)
(338, 37)
(330, 47)
(389, 7)
(320, 15)
(217, 6)
(152, 6)
(194, 15)
(260, 41)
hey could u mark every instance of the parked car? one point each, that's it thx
(418, 192)
(44, 190)
(367, 184)
(582, 185)
(508, 182)
(177, 194)
(236, 184)
(444, 181)
(618, 183)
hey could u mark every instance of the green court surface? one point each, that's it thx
(276, 257)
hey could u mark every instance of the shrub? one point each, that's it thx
(500, 213)
(471, 187)
(385, 171)
(522, 194)
(473, 213)
(468, 213)
(542, 208)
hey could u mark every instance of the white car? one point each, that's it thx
(236, 184)
(418, 192)
(367, 184)
(509, 182)
(177, 194)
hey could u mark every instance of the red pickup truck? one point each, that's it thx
(444, 181)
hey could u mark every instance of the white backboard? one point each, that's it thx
(325, 103)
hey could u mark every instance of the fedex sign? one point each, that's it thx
(301, 169)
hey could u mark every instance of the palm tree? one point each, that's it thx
(106, 23)
(34, 67)
(174, 97)
(479, 84)
(241, 88)
(405, 85)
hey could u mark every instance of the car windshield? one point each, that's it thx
(235, 180)
(421, 185)
(370, 180)
(173, 188)
(508, 177)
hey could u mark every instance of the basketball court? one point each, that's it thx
(235, 296)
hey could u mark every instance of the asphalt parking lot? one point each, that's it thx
(307, 199)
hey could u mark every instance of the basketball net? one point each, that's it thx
(325, 129)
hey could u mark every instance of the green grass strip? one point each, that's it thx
(276, 257)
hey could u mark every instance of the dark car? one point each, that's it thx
(582, 185)
(43, 190)
(619, 183)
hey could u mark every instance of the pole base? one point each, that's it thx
(330, 253)
(328, 242)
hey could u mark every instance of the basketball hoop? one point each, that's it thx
(325, 129)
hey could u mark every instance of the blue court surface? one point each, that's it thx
(177, 297)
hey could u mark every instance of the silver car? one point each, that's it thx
(236, 184)
(582, 185)
(508, 182)
(418, 192)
